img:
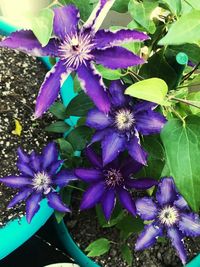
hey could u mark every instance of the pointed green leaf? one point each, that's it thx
(184, 30)
(58, 110)
(108, 73)
(154, 90)
(42, 26)
(58, 127)
(182, 143)
(98, 247)
(127, 254)
(174, 6)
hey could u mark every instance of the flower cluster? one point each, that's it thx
(119, 121)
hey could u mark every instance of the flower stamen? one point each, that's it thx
(75, 49)
(113, 178)
(169, 215)
(124, 119)
(41, 182)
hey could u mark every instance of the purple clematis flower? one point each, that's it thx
(169, 213)
(39, 178)
(119, 130)
(109, 181)
(78, 50)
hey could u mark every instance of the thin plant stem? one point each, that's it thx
(187, 76)
(178, 115)
(77, 188)
(184, 101)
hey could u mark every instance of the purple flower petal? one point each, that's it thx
(130, 166)
(116, 57)
(189, 224)
(95, 159)
(55, 202)
(92, 83)
(177, 241)
(106, 38)
(92, 195)
(112, 145)
(116, 89)
(166, 191)
(65, 20)
(136, 151)
(55, 167)
(25, 169)
(149, 122)
(146, 208)
(25, 41)
(98, 15)
(127, 201)
(50, 88)
(181, 203)
(64, 177)
(141, 183)
(16, 181)
(49, 154)
(97, 119)
(20, 197)
(89, 175)
(144, 106)
(35, 162)
(148, 237)
(108, 203)
(99, 135)
(32, 206)
(22, 156)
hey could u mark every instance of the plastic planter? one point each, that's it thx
(15, 233)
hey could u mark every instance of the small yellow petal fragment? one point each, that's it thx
(18, 128)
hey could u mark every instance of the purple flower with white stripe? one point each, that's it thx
(169, 214)
(120, 128)
(78, 50)
(39, 178)
(106, 183)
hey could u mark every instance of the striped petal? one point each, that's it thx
(106, 38)
(50, 88)
(146, 208)
(16, 181)
(64, 177)
(92, 83)
(55, 202)
(20, 197)
(97, 119)
(32, 205)
(25, 41)
(116, 58)
(49, 155)
(108, 203)
(65, 20)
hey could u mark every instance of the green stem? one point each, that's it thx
(77, 188)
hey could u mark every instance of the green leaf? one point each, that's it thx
(84, 6)
(58, 110)
(174, 6)
(182, 144)
(141, 13)
(108, 73)
(120, 6)
(153, 89)
(42, 26)
(127, 254)
(194, 3)
(66, 148)
(79, 105)
(98, 247)
(79, 137)
(58, 127)
(158, 66)
(194, 98)
(129, 225)
(185, 30)
(156, 157)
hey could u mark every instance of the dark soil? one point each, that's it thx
(85, 229)
(20, 78)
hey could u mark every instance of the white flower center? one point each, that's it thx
(75, 49)
(113, 178)
(169, 215)
(41, 182)
(124, 119)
